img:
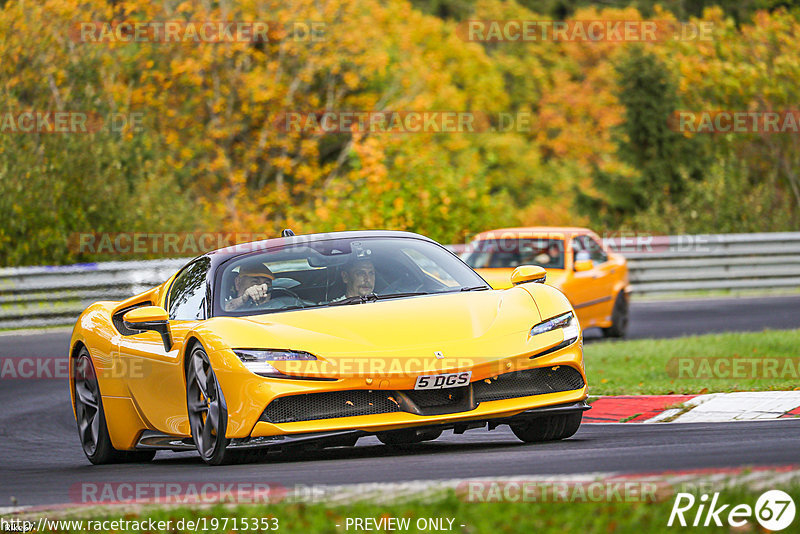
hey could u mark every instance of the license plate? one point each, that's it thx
(447, 380)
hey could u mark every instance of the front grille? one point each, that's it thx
(314, 406)
(528, 382)
(434, 398)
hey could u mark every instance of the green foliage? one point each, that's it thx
(52, 188)
(663, 160)
(728, 199)
(739, 10)
(446, 9)
(210, 157)
(649, 95)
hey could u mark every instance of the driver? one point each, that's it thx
(252, 286)
(359, 278)
(552, 254)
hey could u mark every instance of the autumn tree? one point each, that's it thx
(662, 160)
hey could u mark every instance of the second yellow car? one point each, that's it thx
(594, 279)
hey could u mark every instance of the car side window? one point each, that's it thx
(430, 267)
(579, 250)
(187, 296)
(596, 252)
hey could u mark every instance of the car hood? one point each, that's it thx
(466, 328)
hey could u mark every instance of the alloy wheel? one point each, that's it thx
(206, 406)
(87, 402)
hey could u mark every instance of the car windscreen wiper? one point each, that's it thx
(357, 299)
(475, 288)
(372, 297)
(399, 295)
(471, 288)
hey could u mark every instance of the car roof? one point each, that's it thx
(244, 248)
(222, 255)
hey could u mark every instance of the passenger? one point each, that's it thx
(359, 278)
(551, 256)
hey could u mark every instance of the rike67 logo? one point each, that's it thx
(774, 510)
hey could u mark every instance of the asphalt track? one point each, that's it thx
(42, 463)
(675, 318)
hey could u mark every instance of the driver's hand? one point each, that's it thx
(258, 294)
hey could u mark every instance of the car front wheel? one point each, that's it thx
(208, 413)
(619, 317)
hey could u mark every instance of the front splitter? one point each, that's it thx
(155, 440)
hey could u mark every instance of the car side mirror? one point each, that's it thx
(528, 273)
(584, 265)
(150, 318)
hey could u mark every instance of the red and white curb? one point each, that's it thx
(709, 408)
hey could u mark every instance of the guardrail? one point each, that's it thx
(683, 263)
(50, 296)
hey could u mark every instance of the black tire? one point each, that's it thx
(619, 317)
(344, 441)
(208, 413)
(91, 417)
(408, 436)
(550, 428)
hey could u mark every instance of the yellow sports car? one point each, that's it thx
(319, 340)
(593, 278)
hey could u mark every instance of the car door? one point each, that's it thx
(590, 291)
(602, 281)
(159, 389)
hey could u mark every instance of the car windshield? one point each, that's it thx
(513, 252)
(336, 272)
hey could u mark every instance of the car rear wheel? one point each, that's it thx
(91, 417)
(548, 428)
(408, 436)
(619, 317)
(208, 413)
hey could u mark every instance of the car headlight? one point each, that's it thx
(567, 322)
(257, 361)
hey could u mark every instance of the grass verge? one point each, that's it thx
(717, 293)
(753, 361)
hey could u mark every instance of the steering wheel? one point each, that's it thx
(290, 293)
(392, 288)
